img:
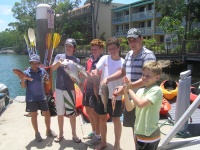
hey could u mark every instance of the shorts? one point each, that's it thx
(65, 102)
(37, 105)
(89, 100)
(129, 118)
(118, 108)
(99, 108)
(147, 146)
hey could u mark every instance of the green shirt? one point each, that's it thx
(147, 118)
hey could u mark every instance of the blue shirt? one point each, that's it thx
(63, 81)
(133, 63)
(35, 90)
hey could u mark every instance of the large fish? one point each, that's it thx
(104, 93)
(73, 69)
(19, 73)
(96, 83)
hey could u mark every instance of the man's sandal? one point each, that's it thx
(58, 139)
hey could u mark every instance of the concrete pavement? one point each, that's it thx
(16, 132)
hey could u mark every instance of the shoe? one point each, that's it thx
(51, 133)
(76, 140)
(93, 141)
(89, 136)
(38, 137)
(58, 139)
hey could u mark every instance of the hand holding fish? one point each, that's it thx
(127, 82)
(21, 75)
(118, 91)
(104, 81)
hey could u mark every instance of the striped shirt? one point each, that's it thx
(133, 63)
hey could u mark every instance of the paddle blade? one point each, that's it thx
(56, 40)
(31, 36)
(48, 41)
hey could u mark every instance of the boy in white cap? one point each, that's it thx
(35, 95)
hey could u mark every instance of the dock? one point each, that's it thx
(16, 132)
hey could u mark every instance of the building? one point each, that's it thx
(103, 21)
(139, 14)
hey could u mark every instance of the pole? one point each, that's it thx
(42, 27)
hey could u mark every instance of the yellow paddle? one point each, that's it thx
(48, 47)
(56, 41)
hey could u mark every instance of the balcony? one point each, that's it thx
(142, 15)
(159, 30)
(121, 19)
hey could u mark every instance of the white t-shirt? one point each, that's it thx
(108, 66)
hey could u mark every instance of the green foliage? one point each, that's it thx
(124, 47)
(10, 39)
(149, 43)
(102, 36)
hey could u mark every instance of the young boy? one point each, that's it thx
(147, 101)
(89, 98)
(35, 95)
(65, 91)
(108, 65)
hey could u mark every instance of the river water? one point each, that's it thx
(10, 61)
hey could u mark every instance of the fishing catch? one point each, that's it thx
(96, 83)
(19, 73)
(104, 95)
(73, 69)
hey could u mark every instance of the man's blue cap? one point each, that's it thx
(34, 57)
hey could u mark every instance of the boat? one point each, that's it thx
(194, 92)
(4, 96)
(165, 107)
(169, 89)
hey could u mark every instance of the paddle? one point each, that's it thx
(56, 41)
(27, 44)
(31, 36)
(48, 46)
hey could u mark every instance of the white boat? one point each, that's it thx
(4, 96)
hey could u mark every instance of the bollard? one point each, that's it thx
(183, 98)
(44, 24)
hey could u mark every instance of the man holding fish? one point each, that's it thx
(108, 65)
(91, 92)
(65, 90)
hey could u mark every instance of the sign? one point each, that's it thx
(50, 18)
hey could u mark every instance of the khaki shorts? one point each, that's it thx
(65, 102)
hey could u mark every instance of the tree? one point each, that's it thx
(177, 11)
(95, 4)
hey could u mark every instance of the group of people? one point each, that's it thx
(139, 70)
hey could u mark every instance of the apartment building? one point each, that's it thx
(139, 14)
(103, 22)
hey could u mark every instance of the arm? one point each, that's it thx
(55, 65)
(117, 75)
(140, 102)
(129, 104)
(23, 83)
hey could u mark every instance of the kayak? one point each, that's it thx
(169, 89)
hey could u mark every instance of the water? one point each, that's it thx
(10, 61)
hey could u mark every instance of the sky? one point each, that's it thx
(6, 15)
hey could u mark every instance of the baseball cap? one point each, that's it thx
(34, 57)
(71, 42)
(133, 32)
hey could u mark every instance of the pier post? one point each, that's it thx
(44, 24)
(183, 98)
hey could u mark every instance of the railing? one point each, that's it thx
(189, 50)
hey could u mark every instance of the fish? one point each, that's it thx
(21, 74)
(73, 69)
(96, 83)
(104, 93)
